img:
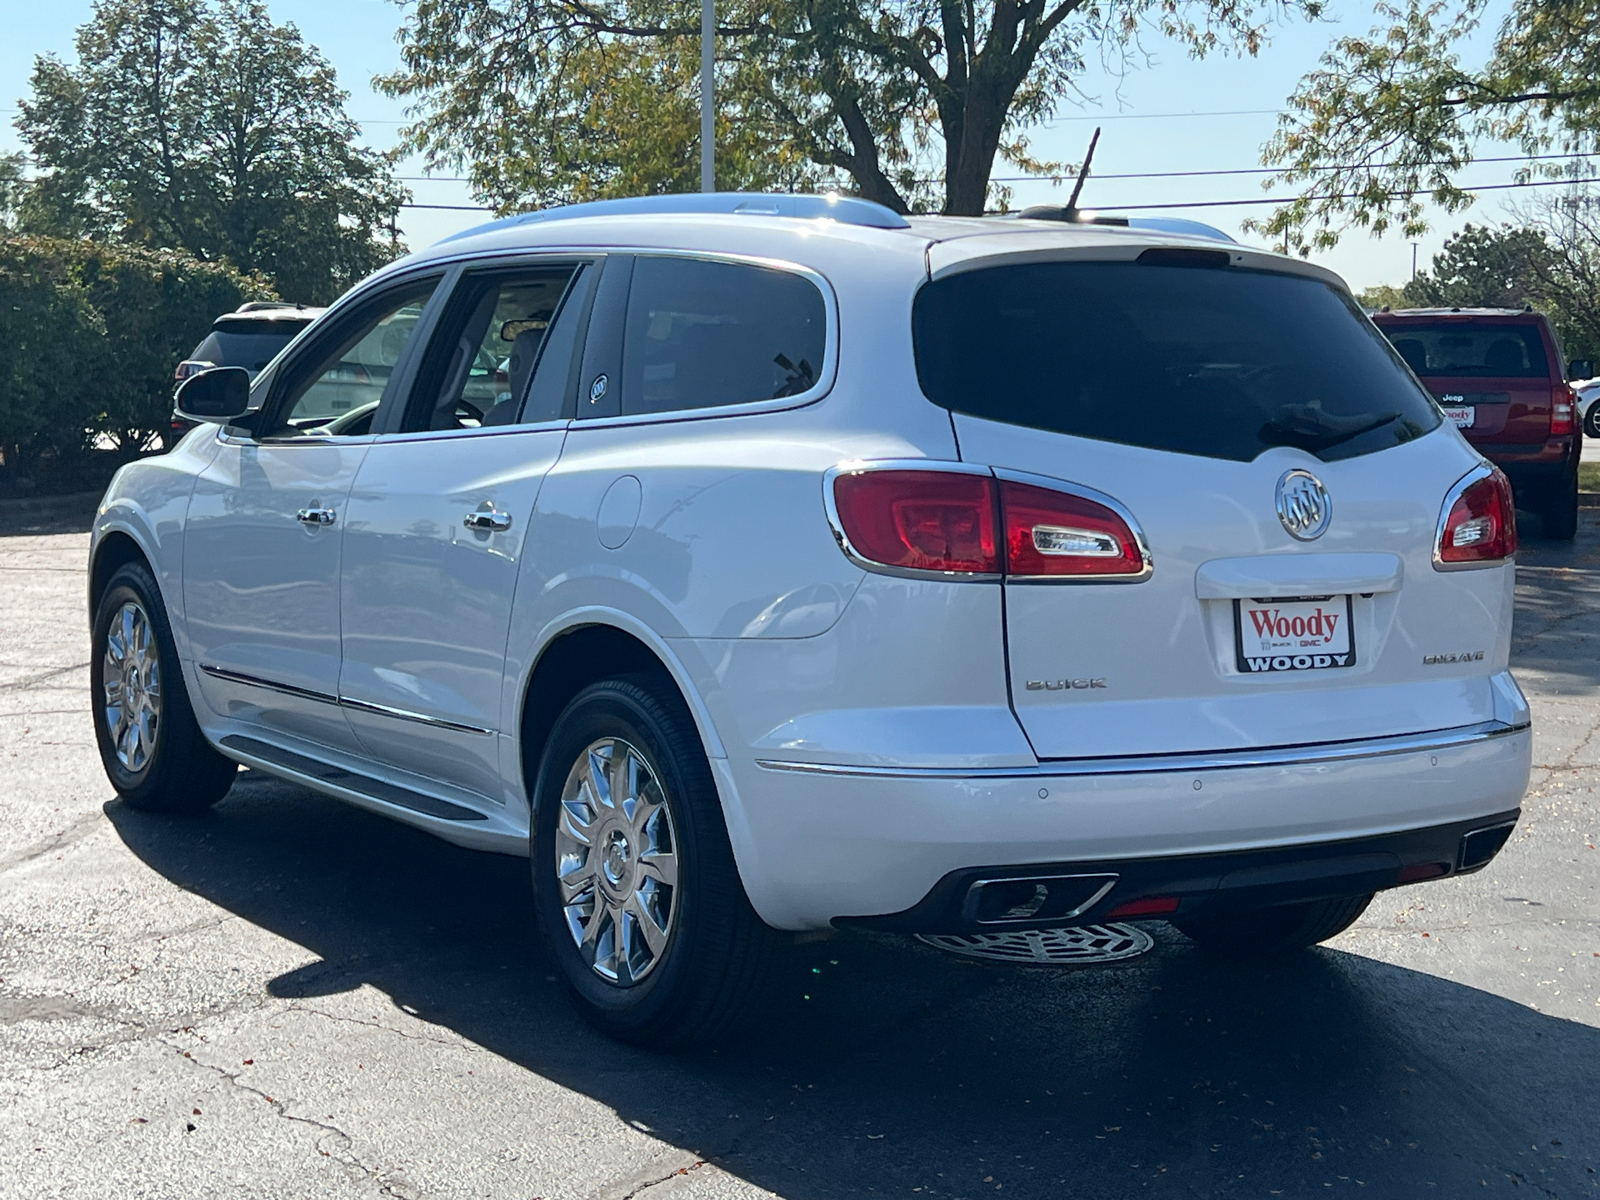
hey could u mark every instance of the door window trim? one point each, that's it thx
(825, 376)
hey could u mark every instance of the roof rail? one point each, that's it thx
(847, 210)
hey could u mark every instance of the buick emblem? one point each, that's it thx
(1303, 505)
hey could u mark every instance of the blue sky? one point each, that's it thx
(1172, 114)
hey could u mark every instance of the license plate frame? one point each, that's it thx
(1287, 661)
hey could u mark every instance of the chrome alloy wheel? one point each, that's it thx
(131, 683)
(616, 862)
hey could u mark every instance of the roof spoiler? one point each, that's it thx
(1174, 225)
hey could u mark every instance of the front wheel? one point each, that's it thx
(637, 894)
(1281, 929)
(150, 743)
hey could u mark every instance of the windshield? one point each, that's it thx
(1460, 348)
(249, 350)
(1219, 362)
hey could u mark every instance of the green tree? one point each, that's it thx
(909, 103)
(201, 126)
(1388, 121)
(13, 187)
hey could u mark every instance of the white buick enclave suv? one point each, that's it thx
(766, 564)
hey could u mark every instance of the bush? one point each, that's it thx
(89, 337)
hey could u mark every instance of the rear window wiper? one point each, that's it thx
(1308, 428)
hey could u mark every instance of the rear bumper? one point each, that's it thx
(819, 844)
(1081, 893)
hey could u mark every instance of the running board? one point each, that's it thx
(340, 782)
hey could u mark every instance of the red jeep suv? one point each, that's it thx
(1497, 373)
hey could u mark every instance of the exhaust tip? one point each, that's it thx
(1480, 845)
(1033, 898)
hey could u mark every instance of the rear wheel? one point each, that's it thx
(1560, 510)
(1591, 421)
(637, 894)
(150, 743)
(1282, 929)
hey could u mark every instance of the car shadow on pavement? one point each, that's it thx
(883, 1065)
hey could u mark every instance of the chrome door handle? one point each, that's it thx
(315, 516)
(487, 520)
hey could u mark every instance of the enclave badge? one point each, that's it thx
(1303, 505)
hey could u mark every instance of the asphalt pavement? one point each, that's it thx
(292, 998)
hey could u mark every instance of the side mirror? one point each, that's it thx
(217, 395)
(1580, 368)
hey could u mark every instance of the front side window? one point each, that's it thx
(337, 390)
(1214, 361)
(1459, 348)
(702, 334)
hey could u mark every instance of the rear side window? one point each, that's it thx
(1459, 348)
(1217, 362)
(252, 351)
(702, 334)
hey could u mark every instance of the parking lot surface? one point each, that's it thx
(291, 998)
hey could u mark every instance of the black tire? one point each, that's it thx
(1560, 511)
(717, 953)
(1282, 929)
(1591, 422)
(178, 771)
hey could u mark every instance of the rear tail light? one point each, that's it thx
(1479, 523)
(1562, 406)
(919, 520)
(969, 522)
(1054, 533)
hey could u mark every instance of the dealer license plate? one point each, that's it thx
(1462, 414)
(1294, 635)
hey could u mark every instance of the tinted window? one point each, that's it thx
(252, 351)
(482, 358)
(1460, 348)
(702, 334)
(1217, 362)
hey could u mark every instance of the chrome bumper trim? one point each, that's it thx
(382, 710)
(1228, 760)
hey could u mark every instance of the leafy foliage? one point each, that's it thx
(92, 333)
(202, 126)
(1387, 121)
(908, 102)
(1552, 263)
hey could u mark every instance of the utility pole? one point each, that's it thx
(1414, 246)
(708, 106)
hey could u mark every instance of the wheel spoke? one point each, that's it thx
(573, 825)
(576, 882)
(599, 780)
(660, 866)
(655, 937)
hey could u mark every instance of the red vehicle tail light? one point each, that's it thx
(1054, 533)
(959, 520)
(919, 520)
(1479, 522)
(1562, 406)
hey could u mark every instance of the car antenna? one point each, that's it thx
(1070, 213)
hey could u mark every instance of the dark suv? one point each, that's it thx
(249, 337)
(1497, 373)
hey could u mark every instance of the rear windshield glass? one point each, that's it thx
(249, 350)
(1217, 362)
(1457, 348)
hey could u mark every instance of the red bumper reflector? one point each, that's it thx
(1150, 906)
(1418, 871)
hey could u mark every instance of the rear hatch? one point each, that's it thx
(1491, 375)
(1192, 392)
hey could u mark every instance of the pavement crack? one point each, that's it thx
(670, 1175)
(74, 832)
(454, 1044)
(22, 685)
(346, 1157)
